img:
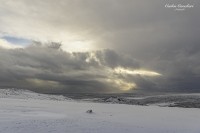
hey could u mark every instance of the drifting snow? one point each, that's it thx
(31, 115)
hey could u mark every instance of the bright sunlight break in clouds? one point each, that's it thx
(136, 72)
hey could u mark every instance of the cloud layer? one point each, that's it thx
(48, 68)
(143, 35)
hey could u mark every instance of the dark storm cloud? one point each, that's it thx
(166, 41)
(182, 70)
(47, 67)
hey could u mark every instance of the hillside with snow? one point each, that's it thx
(28, 112)
(27, 94)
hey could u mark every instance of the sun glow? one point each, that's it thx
(78, 46)
(121, 70)
(124, 86)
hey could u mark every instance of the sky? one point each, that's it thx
(100, 46)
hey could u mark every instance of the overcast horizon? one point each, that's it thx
(100, 46)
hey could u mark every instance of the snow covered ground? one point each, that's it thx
(19, 114)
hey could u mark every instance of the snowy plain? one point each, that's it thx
(29, 112)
